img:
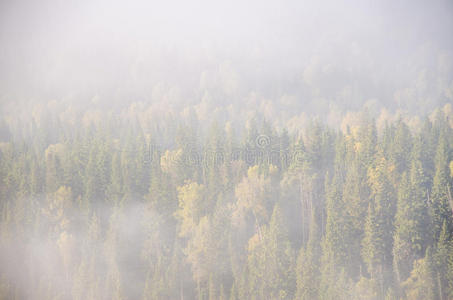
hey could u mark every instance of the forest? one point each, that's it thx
(113, 210)
(226, 150)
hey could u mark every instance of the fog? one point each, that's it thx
(344, 53)
(226, 149)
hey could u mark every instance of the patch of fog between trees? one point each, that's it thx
(66, 253)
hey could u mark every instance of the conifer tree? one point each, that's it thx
(441, 258)
(411, 222)
(379, 227)
(307, 268)
(440, 207)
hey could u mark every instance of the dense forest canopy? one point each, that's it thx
(226, 150)
(116, 210)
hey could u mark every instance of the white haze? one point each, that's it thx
(338, 52)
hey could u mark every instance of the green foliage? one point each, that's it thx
(308, 264)
(411, 222)
(360, 214)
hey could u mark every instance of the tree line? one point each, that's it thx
(115, 210)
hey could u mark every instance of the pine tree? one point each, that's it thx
(53, 168)
(401, 148)
(367, 141)
(378, 240)
(411, 222)
(115, 188)
(441, 256)
(440, 208)
(281, 258)
(373, 251)
(271, 262)
(355, 198)
(337, 242)
(450, 271)
(307, 268)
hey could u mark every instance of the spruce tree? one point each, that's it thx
(440, 207)
(308, 264)
(411, 222)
